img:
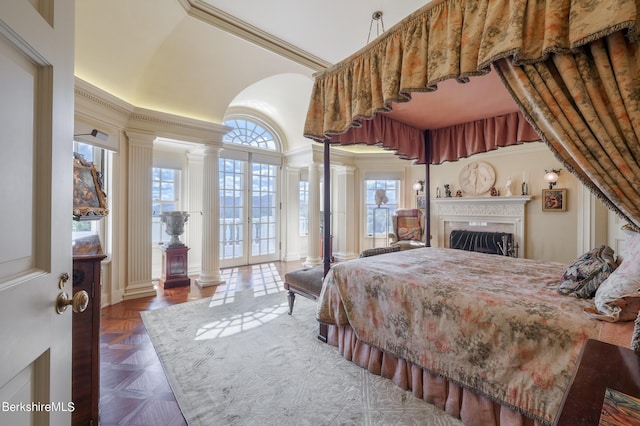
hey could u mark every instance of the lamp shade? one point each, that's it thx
(551, 177)
(417, 186)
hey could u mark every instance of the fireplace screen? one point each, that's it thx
(484, 242)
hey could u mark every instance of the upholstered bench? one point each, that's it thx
(305, 282)
(379, 250)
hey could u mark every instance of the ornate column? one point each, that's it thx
(313, 250)
(140, 161)
(210, 274)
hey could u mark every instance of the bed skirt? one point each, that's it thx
(459, 402)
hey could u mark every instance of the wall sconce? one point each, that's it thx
(418, 186)
(96, 134)
(551, 177)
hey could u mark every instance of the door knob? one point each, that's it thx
(78, 303)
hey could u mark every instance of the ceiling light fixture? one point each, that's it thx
(96, 134)
(377, 17)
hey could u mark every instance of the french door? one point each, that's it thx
(249, 212)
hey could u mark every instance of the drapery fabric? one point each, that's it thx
(463, 140)
(462, 38)
(586, 107)
(445, 144)
(454, 39)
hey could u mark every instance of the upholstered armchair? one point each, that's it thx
(408, 229)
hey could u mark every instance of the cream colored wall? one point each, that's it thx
(549, 235)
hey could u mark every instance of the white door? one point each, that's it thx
(36, 122)
(249, 213)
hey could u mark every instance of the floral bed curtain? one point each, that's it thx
(462, 38)
(586, 106)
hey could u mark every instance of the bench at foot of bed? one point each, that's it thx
(308, 283)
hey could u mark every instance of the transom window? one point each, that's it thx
(248, 132)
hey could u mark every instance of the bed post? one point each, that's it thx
(326, 243)
(427, 189)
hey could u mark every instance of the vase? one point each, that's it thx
(174, 225)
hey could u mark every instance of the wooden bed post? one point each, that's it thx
(326, 243)
(427, 190)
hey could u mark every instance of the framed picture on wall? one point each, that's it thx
(554, 200)
(421, 202)
(89, 201)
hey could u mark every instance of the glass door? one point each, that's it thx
(249, 214)
(264, 213)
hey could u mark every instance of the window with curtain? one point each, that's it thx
(304, 208)
(378, 219)
(165, 192)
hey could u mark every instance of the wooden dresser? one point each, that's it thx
(86, 341)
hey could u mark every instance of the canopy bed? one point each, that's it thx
(564, 72)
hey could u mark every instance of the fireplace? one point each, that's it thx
(487, 215)
(483, 242)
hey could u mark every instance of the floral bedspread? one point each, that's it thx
(491, 323)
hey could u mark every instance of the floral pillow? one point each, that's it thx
(618, 297)
(583, 277)
(408, 228)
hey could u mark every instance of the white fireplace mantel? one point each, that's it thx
(485, 214)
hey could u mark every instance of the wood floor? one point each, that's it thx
(133, 388)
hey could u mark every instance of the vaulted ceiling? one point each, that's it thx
(205, 58)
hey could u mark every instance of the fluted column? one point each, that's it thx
(194, 192)
(210, 274)
(313, 250)
(344, 217)
(292, 212)
(140, 161)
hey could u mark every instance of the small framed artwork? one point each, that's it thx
(89, 201)
(421, 202)
(554, 200)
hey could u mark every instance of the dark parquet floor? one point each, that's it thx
(133, 388)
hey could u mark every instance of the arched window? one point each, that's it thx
(249, 169)
(251, 133)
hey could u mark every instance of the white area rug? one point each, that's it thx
(239, 359)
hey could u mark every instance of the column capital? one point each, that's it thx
(345, 170)
(206, 150)
(140, 138)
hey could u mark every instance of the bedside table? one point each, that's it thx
(600, 366)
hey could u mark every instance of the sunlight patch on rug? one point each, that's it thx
(240, 322)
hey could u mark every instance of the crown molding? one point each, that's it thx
(92, 103)
(211, 15)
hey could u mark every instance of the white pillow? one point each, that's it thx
(618, 297)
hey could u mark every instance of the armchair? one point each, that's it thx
(408, 229)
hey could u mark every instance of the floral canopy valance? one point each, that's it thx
(454, 39)
(557, 58)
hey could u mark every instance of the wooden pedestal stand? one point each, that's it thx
(175, 267)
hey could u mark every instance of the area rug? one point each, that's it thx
(240, 359)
